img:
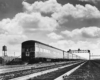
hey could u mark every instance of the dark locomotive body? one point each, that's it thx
(34, 51)
(28, 51)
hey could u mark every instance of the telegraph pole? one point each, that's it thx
(14, 54)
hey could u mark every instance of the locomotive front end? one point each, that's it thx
(28, 51)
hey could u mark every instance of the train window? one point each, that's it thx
(27, 49)
(45, 50)
(41, 50)
(37, 49)
(48, 51)
(26, 54)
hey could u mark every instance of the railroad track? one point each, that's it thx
(20, 72)
(54, 75)
(36, 64)
(14, 68)
(89, 71)
(11, 69)
(45, 71)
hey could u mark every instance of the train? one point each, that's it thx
(34, 51)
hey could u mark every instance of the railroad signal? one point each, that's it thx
(80, 51)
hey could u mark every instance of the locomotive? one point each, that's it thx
(35, 51)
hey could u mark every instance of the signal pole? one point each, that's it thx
(89, 55)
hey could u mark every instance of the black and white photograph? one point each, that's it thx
(49, 39)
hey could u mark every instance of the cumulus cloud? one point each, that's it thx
(49, 6)
(23, 23)
(73, 33)
(36, 21)
(55, 36)
(89, 32)
(78, 11)
(16, 39)
(10, 31)
(62, 12)
(63, 44)
(70, 44)
(58, 10)
(88, 0)
(13, 31)
(93, 1)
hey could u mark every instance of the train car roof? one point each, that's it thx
(42, 43)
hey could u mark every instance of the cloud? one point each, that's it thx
(49, 6)
(16, 39)
(89, 32)
(13, 31)
(24, 21)
(52, 6)
(88, 0)
(54, 36)
(77, 12)
(66, 44)
(93, 1)
(60, 11)
(36, 21)
(63, 44)
(10, 31)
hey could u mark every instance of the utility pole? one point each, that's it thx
(14, 54)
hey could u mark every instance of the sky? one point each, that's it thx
(65, 24)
